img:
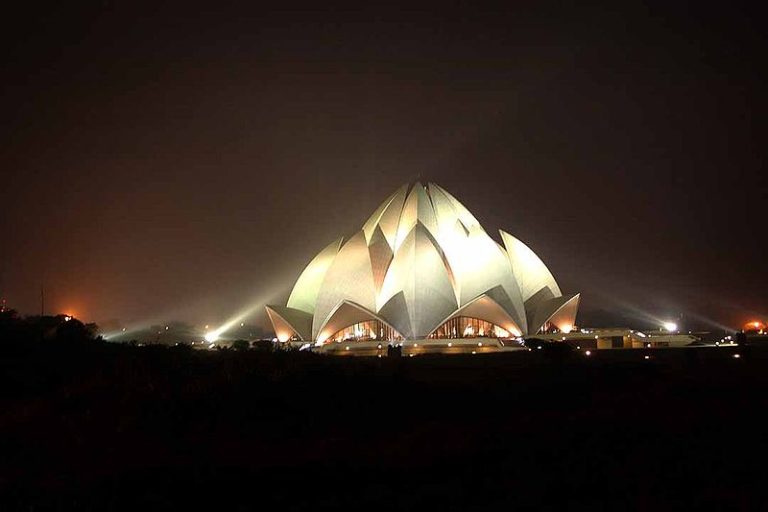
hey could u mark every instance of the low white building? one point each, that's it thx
(619, 337)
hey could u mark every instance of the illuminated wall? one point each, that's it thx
(370, 330)
(466, 327)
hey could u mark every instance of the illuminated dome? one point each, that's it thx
(423, 267)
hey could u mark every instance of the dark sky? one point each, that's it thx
(177, 162)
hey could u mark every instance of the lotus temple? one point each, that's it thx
(422, 274)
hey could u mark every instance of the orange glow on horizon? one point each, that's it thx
(68, 306)
(71, 313)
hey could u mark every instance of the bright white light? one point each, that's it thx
(670, 326)
(588, 352)
(647, 357)
(450, 344)
(211, 337)
(736, 356)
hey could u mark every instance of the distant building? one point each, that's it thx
(422, 268)
(620, 337)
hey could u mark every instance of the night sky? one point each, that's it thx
(182, 163)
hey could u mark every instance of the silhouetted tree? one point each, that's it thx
(241, 345)
(263, 345)
(75, 331)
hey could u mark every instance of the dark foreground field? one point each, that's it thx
(102, 427)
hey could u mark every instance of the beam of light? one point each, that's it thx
(710, 322)
(630, 309)
(235, 320)
(125, 331)
(268, 291)
(642, 315)
(137, 326)
(637, 313)
(144, 329)
(189, 312)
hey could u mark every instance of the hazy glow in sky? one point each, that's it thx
(249, 139)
